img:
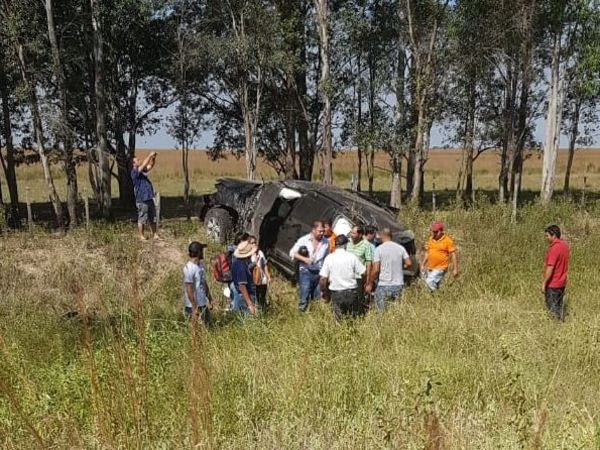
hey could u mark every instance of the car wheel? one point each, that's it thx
(219, 224)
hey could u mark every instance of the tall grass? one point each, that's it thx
(94, 352)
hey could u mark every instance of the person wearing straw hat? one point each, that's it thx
(438, 254)
(242, 278)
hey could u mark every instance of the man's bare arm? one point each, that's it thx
(548, 271)
(189, 290)
(148, 162)
(246, 296)
(454, 261)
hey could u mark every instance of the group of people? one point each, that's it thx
(354, 272)
(366, 268)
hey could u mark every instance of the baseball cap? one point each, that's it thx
(195, 248)
(437, 226)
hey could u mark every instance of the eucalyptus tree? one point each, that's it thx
(572, 36)
(21, 20)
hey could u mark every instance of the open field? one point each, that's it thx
(94, 352)
(441, 169)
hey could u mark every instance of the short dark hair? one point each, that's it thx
(317, 224)
(370, 229)
(240, 237)
(327, 222)
(360, 229)
(195, 249)
(341, 240)
(553, 230)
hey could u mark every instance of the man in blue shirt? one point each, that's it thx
(144, 195)
(242, 278)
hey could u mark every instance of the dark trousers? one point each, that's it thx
(554, 302)
(261, 295)
(346, 303)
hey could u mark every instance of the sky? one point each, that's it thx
(162, 140)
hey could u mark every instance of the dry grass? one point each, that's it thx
(442, 169)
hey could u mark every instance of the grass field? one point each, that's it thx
(94, 352)
(441, 170)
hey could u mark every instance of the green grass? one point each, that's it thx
(477, 365)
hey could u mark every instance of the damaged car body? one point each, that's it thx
(279, 212)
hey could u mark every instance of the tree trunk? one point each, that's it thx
(290, 130)
(325, 91)
(416, 194)
(104, 181)
(306, 149)
(14, 218)
(38, 131)
(59, 75)
(124, 166)
(572, 141)
(359, 123)
(508, 138)
(465, 176)
(396, 191)
(553, 120)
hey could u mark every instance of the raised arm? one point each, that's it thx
(148, 162)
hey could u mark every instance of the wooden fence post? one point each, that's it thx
(29, 211)
(157, 205)
(87, 211)
(583, 192)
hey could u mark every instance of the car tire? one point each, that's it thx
(219, 224)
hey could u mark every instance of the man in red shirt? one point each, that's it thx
(556, 265)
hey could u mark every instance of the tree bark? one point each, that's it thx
(396, 190)
(59, 75)
(553, 120)
(104, 182)
(325, 91)
(465, 176)
(38, 130)
(572, 141)
(9, 166)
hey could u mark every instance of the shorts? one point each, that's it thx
(146, 212)
(433, 278)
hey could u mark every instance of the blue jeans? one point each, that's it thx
(308, 284)
(383, 293)
(239, 304)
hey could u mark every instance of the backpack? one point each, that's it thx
(221, 268)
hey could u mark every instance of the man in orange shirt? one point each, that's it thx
(329, 234)
(437, 255)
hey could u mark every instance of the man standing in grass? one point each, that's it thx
(436, 257)
(310, 251)
(144, 195)
(329, 234)
(362, 249)
(556, 265)
(242, 278)
(389, 263)
(339, 273)
(196, 295)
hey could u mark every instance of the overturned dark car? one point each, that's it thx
(279, 212)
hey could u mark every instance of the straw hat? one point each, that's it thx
(244, 250)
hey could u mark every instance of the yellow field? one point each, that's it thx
(441, 169)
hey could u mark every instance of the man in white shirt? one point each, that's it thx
(339, 274)
(389, 263)
(310, 251)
